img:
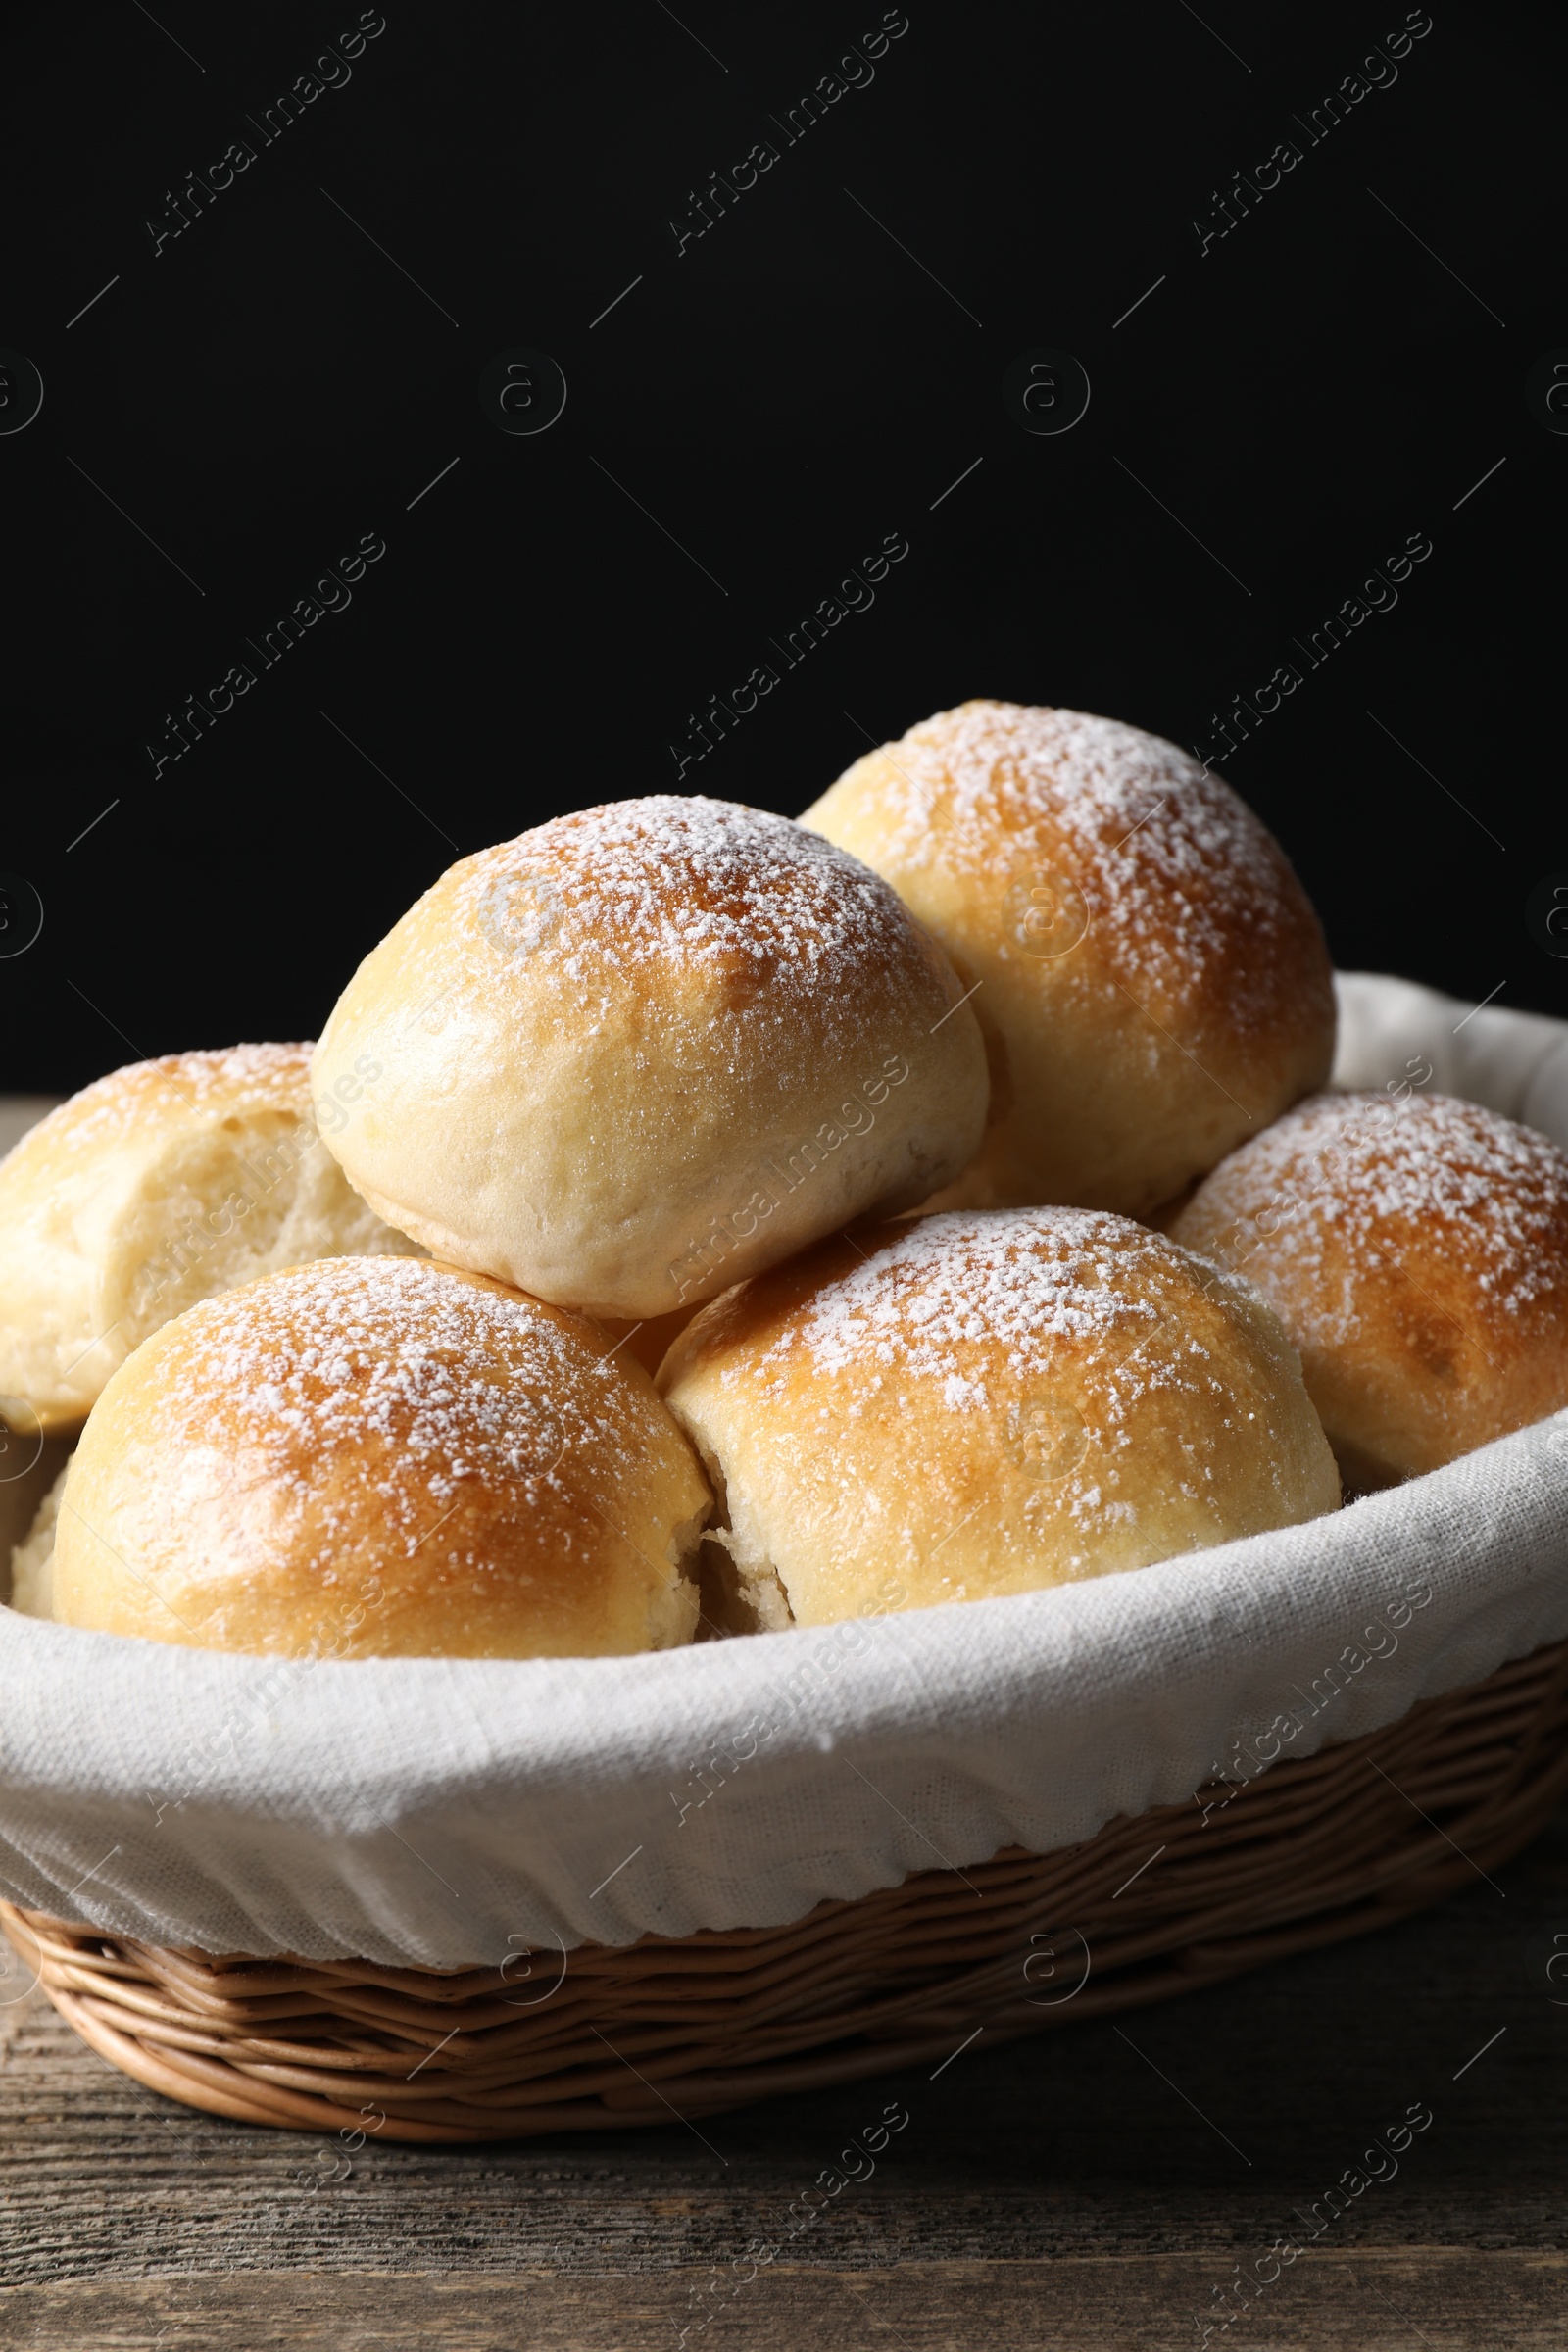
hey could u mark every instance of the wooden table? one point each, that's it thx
(1096, 2187)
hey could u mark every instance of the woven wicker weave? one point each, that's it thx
(1306, 1854)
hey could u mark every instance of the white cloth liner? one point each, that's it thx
(453, 1811)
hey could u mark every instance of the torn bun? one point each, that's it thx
(164, 1182)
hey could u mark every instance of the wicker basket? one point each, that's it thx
(601, 2037)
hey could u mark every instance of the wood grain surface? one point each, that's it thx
(1097, 2187)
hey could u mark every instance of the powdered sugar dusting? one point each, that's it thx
(1360, 1180)
(962, 1301)
(238, 1079)
(1175, 868)
(460, 1381)
(1042, 1357)
(693, 882)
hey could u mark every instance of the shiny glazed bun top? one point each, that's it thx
(1154, 983)
(1417, 1252)
(978, 1404)
(646, 1048)
(162, 1183)
(381, 1458)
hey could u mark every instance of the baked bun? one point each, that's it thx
(648, 1049)
(381, 1458)
(972, 1405)
(159, 1185)
(1417, 1253)
(1154, 985)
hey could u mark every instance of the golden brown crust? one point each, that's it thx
(1154, 984)
(968, 1406)
(647, 1048)
(381, 1458)
(161, 1184)
(1417, 1252)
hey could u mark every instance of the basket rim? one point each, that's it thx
(945, 1733)
(1306, 1854)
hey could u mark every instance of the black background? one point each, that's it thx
(794, 385)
